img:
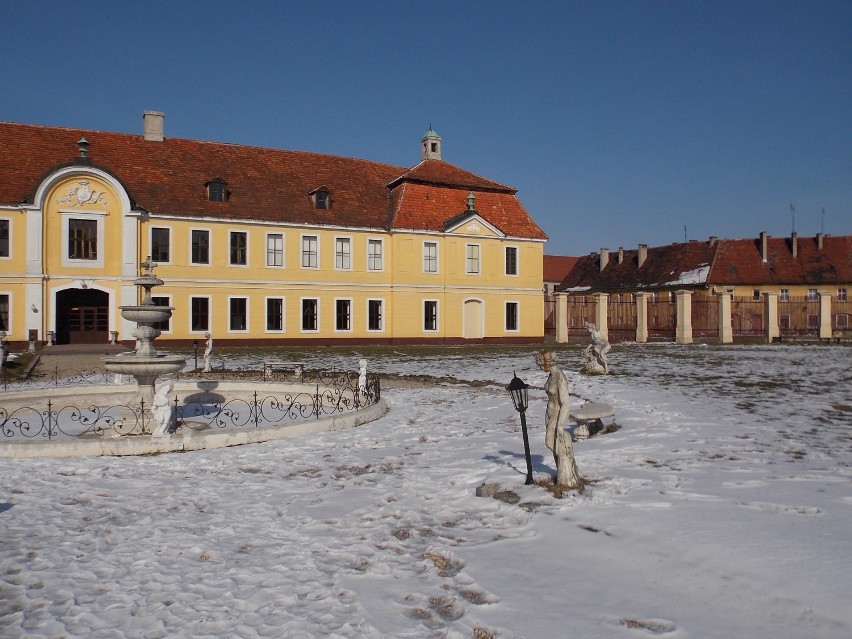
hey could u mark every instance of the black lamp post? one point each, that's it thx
(520, 398)
(195, 346)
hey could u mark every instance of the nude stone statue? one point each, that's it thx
(595, 353)
(208, 349)
(555, 417)
(163, 410)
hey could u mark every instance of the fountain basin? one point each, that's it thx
(146, 314)
(145, 369)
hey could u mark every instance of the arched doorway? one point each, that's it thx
(82, 316)
(473, 319)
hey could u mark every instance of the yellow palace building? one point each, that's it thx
(257, 245)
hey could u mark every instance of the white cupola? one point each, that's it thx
(431, 145)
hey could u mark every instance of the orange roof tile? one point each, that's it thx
(169, 178)
(556, 267)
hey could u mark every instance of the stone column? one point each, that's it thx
(683, 334)
(560, 317)
(771, 316)
(642, 317)
(824, 315)
(726, 329)
(601, 308)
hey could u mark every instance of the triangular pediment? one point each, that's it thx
(471, 223)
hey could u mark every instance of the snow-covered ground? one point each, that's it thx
(721, 508)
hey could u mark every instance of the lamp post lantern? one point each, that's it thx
(518, 390)
(195, 346)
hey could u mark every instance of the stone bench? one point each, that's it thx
(273, 366)
(588, 414)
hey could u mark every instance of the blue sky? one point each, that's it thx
(618, 122)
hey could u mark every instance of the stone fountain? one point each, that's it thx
(146, 364)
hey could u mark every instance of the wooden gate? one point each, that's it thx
(662, 318)
(621, 318)
(747, 317)
(705, 317)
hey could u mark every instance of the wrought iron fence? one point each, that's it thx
(334, 392)
(798, 316)
(747, 317)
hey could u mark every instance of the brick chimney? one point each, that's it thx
(764, 246)
(794, 244)
(643, 254)
(152, 125)
(604, 258)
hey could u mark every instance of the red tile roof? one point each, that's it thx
(740, 262)
(722, 263)
(169, 178)
(556, 267)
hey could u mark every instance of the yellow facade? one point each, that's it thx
(78, 246)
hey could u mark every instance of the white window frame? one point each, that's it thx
(302, 328)
(755, 295)
(209, 314)
(347, 239)
(231, 234)
(382, 316)
(468, 258)
(302, 253)
(437, 316)
(436, 258)
(274, 250)
(517, 250)
(283, 301)
(168, 299)
(351, 306)
(8, 220)
(784, 295)
(517, 305)
(98, 216)
(209, 245)
(245, 298)
(841, 325)
(9, 327)
(169, 249)
(842, 295)
(372, 241)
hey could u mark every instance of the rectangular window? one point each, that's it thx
(310, 251)
(430, 315)
(275, 249)
(374, 315)
(4, 238)
(813, 296)
(342, 315)
(511, 316)
(310, 314)
(166, 325)
(343, 253)
(199, 313)
(841, 295)
(841, 321)
(82, 239)
(4, 312)
(430, 257)
(238, 314)
(755, 295)
(785, 295)
(374, 255)
(784, 322)
(200, 247)
(274, 314)
(472, 261)
(511, 260)
(813, 321)
(239, 248)
(159, 244)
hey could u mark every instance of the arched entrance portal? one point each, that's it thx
(82, 316)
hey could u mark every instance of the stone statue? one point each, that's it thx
(555, 417)
(595, 352)
(163, 410)
(207, 350)
(362, 379)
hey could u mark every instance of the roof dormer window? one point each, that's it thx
(217, 190)
(321, 198)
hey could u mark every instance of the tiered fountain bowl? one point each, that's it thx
(146, 364)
